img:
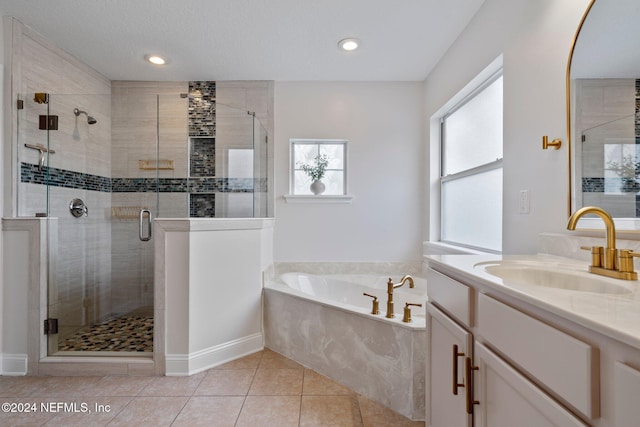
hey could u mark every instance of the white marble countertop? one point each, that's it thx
(616, 316)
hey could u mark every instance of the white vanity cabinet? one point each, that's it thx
(492, 392)
(448, 345)
(626, 394)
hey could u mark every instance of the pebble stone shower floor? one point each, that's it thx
(126, 333)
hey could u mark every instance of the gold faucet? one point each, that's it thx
(390, 287)
(604, 261)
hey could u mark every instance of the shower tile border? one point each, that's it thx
(55, 177)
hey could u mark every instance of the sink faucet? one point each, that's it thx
(605, 261)
(390, 287)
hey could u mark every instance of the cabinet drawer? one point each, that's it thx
(450, 295)
(561, 362)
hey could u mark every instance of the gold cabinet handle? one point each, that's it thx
(469, 368)
(456, 384)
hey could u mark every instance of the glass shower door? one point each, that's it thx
(102, 193)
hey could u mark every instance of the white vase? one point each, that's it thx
(317, 187)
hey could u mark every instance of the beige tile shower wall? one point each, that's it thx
(80, 277)
(136, 108)
(144, 114)
(254, 96)
(603, 101)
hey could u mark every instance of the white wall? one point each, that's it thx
(2, 162)
(535, 38)
(382, 122)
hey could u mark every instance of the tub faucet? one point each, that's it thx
(390, 287)
(605, 261)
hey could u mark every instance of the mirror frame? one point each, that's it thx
(568, 111)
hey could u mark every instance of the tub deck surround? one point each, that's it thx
(615, 316)
(383, 359)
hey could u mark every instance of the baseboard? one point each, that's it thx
(192, 363)
(14, 364)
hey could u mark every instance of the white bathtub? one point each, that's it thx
(325, 323)
(345, 291)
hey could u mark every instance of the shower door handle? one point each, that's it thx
(143, 237)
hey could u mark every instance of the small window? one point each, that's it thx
(307, 153)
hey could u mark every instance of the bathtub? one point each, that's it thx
(325, 323)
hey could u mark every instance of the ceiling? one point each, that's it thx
(282, 40)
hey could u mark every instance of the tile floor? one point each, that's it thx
(262, 389)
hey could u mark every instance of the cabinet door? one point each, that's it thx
(505, 398)
(626, 395)
(447, 346)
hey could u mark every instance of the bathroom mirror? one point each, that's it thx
(603, 110)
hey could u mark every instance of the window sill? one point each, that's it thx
(335, 199)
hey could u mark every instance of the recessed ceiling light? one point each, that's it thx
(155, 59)
(348, 44)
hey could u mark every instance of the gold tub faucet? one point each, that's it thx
(605, 261)
(390, 287)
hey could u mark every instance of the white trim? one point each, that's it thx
(304, 198)
(192, 363)
(318, 141)
(14, 364)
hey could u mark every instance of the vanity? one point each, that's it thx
(530, 341)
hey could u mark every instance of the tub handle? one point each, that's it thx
(375, 309)
(407, 311)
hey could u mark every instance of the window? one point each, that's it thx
(471, 169)
(307, 152)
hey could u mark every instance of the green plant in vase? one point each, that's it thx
(316, 173)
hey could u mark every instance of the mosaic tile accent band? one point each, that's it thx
(202, 206)
(637, 117)
(202, 157)
(592, 185)
(32, 174)
(202, 108)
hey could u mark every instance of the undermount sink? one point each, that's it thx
(555, 276)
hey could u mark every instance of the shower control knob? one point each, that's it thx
(78, 208)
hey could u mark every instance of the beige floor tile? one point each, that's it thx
(150, 411)
(316, 384)
(25, 416)
(19, 386)
(334, 411)
(270, 411)
(277, 382)
(210, 411)
(173, 386)
(65, 386)
(273, 360)
(100, 411)
(376, 415)
(233, 382)
(120, 386)
(248, 362)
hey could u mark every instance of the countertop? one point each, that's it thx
(616, 316)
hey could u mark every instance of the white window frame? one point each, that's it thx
(434, 243)
(322, 198)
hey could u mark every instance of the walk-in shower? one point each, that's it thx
(147, 156)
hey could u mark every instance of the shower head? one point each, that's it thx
(91, 120)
